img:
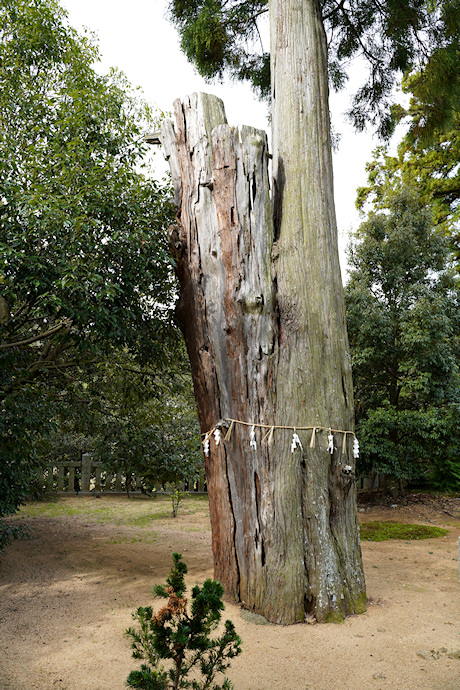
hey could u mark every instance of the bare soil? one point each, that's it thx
(67, 594)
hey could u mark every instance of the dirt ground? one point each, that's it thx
(67, 594)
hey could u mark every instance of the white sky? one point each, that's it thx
(136, 37)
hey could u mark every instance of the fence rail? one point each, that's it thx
(89, 476)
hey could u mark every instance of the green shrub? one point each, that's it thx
(182, 636)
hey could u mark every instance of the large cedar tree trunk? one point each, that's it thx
(263, 317)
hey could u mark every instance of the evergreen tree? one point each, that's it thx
(261, 295)
(392, 37)
(262, 304)
(403, 323)
(427, 158)
(182, 636)
(83, 266)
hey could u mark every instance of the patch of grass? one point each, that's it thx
(148, 539)
(107, 509)
(144, 519)
(381, 531)
(55, 509)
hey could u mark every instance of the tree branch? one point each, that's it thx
(53, 365)
(29, 341)
(254, 16)
(334, 11)
(4, 311)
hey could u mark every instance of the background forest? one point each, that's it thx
(90, 356)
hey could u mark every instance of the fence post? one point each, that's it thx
(98, 471)
(85, 471)
(49, 478)
(108, 481)
(118, 482)
(71, 487)
(61, 475)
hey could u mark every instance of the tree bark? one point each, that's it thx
(263, 316)
(314, 373)
(222, 247)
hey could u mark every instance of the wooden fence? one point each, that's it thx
(89, 476)
(372, 481)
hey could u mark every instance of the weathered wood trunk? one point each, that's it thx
(314, 372)
(228, 314)
(262, 312)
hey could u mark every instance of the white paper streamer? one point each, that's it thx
(355, 448)
(295, 442)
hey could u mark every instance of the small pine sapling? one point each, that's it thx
(177, 496)
(182, 635)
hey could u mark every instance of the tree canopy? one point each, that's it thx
(393, 37)
(432, 169)
(138, 420)
(426, 159)
(147, 422)
(405, 340)
(403, 324)
(84, 266)
(82, 255)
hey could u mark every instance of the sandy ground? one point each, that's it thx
(67, 594)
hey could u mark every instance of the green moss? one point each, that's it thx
(381, 531)
(359, 604)
(254, 618)
(333, 617)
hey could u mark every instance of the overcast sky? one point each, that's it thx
(136, 37)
